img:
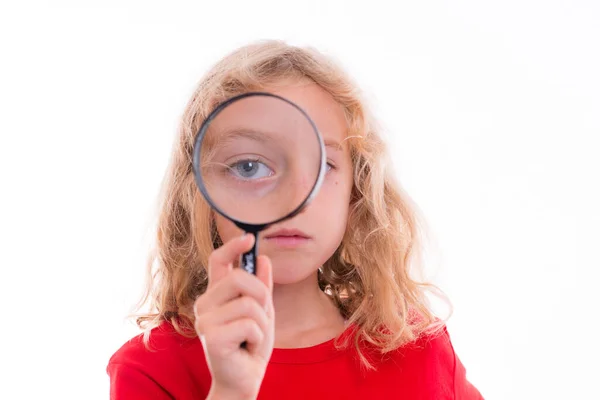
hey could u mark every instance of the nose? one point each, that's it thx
(300, 177)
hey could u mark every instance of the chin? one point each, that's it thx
(286, 273)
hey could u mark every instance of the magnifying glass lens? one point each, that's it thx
(260, 159)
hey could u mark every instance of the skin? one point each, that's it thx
(264, 309)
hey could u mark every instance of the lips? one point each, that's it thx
(287, 238)
(287, 233)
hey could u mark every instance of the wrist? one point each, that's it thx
(220, 393)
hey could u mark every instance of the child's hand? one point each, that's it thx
(237, 307)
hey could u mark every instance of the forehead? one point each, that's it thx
(326, 113)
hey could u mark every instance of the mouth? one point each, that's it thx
(288, 237)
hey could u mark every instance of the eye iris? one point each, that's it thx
(247, 168)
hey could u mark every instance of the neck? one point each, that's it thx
(304, 315)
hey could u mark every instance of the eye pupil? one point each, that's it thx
(248, 166)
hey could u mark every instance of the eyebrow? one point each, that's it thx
(245, 133)
(218, 142)
(261, 136)
(333, 144)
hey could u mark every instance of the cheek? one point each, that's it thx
(334, 198)
(227, 230)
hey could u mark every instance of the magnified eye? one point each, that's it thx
(250, 169)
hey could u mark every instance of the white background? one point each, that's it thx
(492, 110)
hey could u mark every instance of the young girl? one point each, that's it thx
(336, 317)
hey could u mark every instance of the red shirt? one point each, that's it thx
(175, 368)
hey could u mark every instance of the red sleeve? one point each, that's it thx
(129, 383)
(463, 389)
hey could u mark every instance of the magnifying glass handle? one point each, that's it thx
(249, 265)
(249, 258)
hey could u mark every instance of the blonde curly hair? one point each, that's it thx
(370, 277)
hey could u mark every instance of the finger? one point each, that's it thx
(221, 260)
(264, 271)
(242, 307)
(237, 283)
(226, 338)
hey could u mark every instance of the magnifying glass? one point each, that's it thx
(258, 159)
